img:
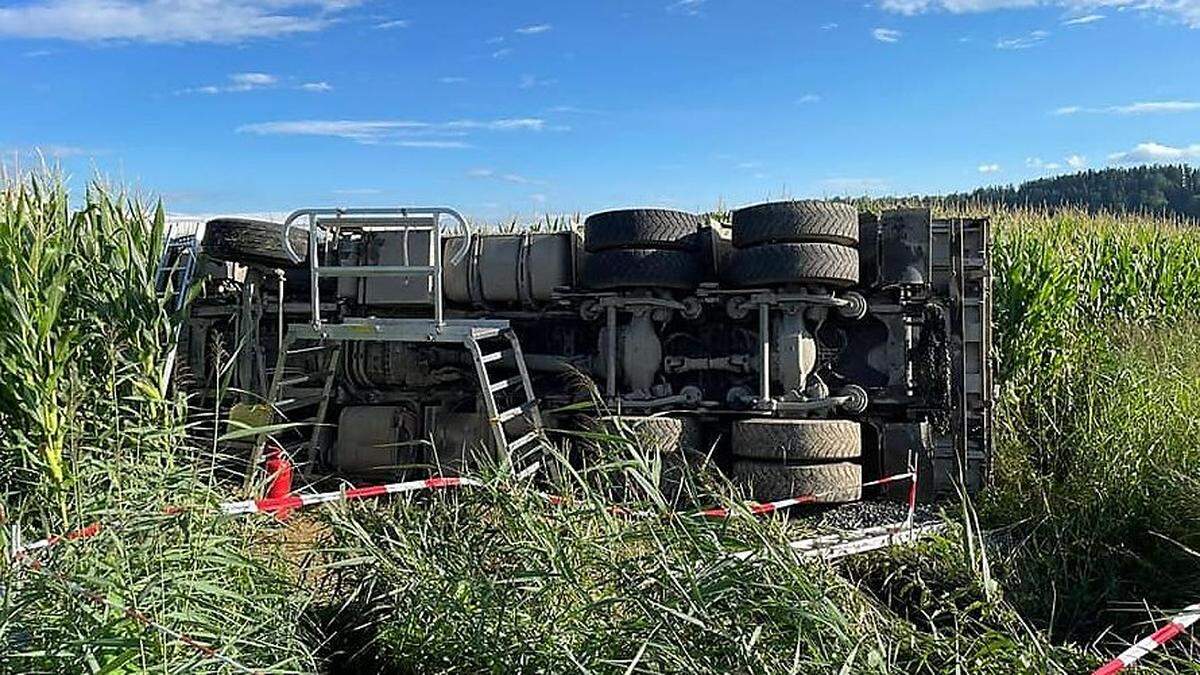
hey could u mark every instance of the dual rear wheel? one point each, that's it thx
(796, 243)
(773, 459)
(817, 459)
(793, 243)
(642, 248)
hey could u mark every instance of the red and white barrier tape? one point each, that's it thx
(1173, 629)
(850, 542)
(300, 501)
(441, 482)
(82, 533)
(769, 507)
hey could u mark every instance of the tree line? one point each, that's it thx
(1172, 189)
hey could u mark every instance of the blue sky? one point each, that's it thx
(519, 107)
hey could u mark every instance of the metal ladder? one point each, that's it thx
(526, 408)
(175, 270)
(436, 329)
(174, 275)
(326, 373)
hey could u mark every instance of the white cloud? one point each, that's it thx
(911, 7)
(1077, 162)
(1034, 39)
(830, 26)
(1157, 107)
(514, 178)
(535, 29)
(358, 191)
(253, 80)
(1156, 153)
(317, 87)
(1183, 11)
(888, 35)
(237, 82)
(452, 80)
(854, 186)
(1139, 108)
(989, 168)
(394, 23)
(59, 151)
(501, 53)
(1084, 20)
(1037, 163)
(404, 133)
(533, 81)
(161, 21)
(809, 98)
(574, 110)
(687, 7)
(438, 145)
(538, 198)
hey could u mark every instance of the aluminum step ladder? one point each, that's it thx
(524, 406)
(326, 224)
(172, 279)
(176, 268)
(282, 402)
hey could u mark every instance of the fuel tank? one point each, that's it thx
(509, 270)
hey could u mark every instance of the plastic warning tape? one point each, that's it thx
(1173, 629)
(301, 501)
(850, 542)
(769, 507)
(82, 533)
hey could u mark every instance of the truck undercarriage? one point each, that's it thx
(804, 347)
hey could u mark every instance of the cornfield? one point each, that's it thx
(1096, 500)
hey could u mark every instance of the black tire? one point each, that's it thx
(641, 228)
(799, 221)
(825, 483)
(664, 435)
(641, 268)
(252, 242)
(799, 264)
(793, 441)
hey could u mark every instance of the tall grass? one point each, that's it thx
(86, 436)
(500, 580)
(1063, 274)
(1099, 420)
(1097, 425)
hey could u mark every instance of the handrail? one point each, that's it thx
(434, 271)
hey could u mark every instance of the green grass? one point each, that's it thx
(1099, 419)
(1097, 430)
(500, 580)
(85, 436)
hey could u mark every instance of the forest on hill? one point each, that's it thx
(1170, 189)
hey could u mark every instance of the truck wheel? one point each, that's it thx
(640, 268)
(780, 264)
(665, 435)
(252, 242)
(825, 483)
(641, 228)
(677, 443)
(798, 221)
(792, 441)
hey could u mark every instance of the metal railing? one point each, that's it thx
(389, 219)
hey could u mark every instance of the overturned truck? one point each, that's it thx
(803, 346)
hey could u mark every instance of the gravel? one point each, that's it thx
(864, 514)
